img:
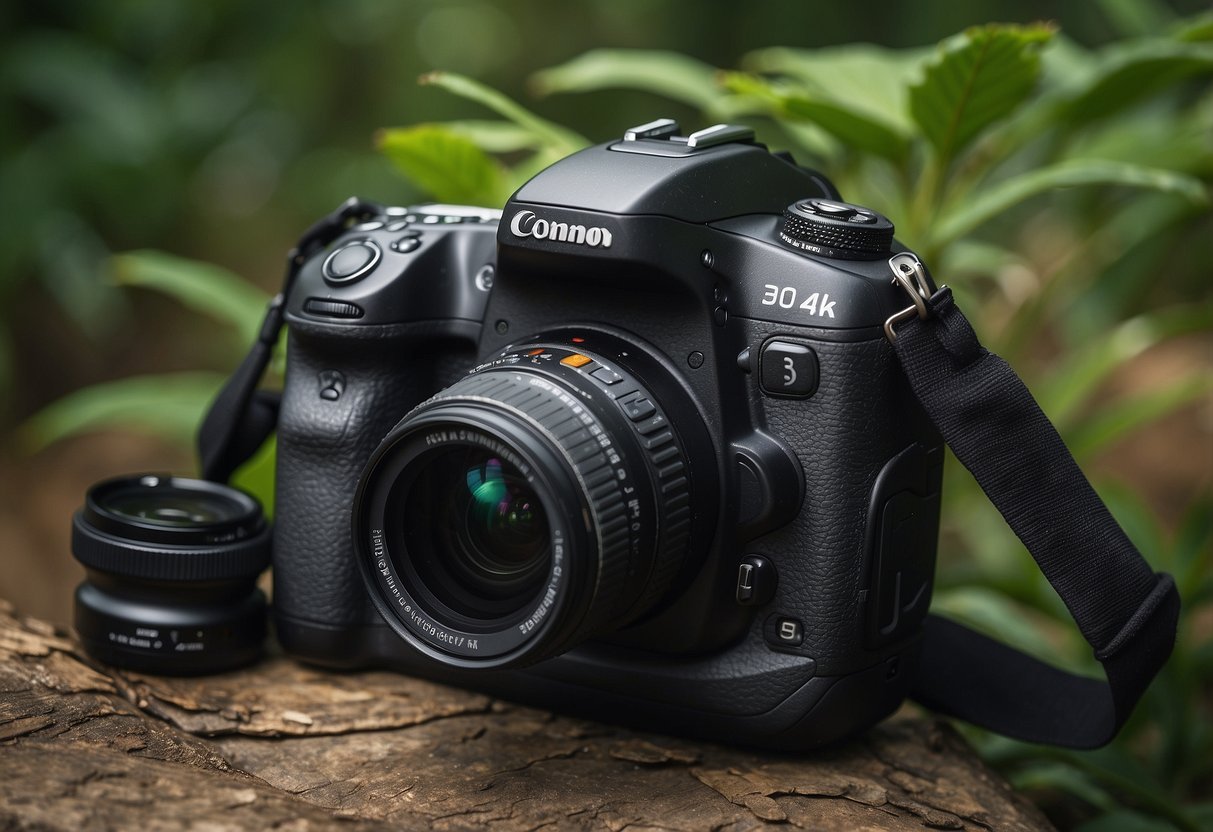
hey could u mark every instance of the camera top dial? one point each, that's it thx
(836, 229)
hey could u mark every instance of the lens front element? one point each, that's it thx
(478, 532)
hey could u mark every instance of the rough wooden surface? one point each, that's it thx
(283, 746)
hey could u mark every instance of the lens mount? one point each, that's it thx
(522, 510)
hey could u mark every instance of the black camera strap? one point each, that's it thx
(1126, 612)
(242, 417)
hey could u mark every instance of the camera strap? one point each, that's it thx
(1126, 612)
(242, 417)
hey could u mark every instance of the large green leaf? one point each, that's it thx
(446, 164)
(963, 216)
(560, 139)
(853, 127)
(170, 406)
(868, 79)
(1126, 75)
(203, 287)
(669, 74)
(496, 136)
(977, 78)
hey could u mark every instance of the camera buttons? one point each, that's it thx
(783, 632)
(637, 406)
(606, 376)
(789, 631)
(829, 208)
(351, 262)
(755, 581)
(332, 308)
(788, 369)
(406, 244)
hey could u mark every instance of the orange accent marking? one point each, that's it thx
(578, 340)
(576, 360)
(536, 351)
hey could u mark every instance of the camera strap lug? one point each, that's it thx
(910, 275)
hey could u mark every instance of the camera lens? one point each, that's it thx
(479, 531)
(539, 501)
(171, 566)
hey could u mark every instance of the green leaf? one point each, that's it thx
(1196, 29)
(1126, 820)
(446, 164)
(977, 78)
(1129, 74)
(257, 475)
(203, 287)
(170, 406)
(1083, 368)
(559, 138)
(961, 218)
(667, 74)
(1054, 775)
(1193, 542)
(1120, 419)
(851, 126)
(496, 136)
(868, 79)
(1137, 18)
(995, 614)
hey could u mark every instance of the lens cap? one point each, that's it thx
(172, 567)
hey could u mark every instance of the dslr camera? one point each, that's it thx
(636, 446)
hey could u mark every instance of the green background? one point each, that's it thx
(158, 159)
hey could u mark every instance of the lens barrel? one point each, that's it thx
(172, 565)
(541, 500)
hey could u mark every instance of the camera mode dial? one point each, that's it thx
(836, 229)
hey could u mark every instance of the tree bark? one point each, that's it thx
(285, 746)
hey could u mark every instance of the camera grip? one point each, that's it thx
(344, 390)
(848, 435)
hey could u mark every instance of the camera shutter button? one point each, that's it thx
(351, 262)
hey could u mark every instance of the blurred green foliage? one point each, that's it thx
(1051, 184)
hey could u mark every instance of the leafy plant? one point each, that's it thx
(1050, 185)
(170, 406)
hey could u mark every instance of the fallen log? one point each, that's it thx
(285, 746)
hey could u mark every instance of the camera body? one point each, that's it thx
(709, 499)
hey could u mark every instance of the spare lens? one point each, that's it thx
(172, 565)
